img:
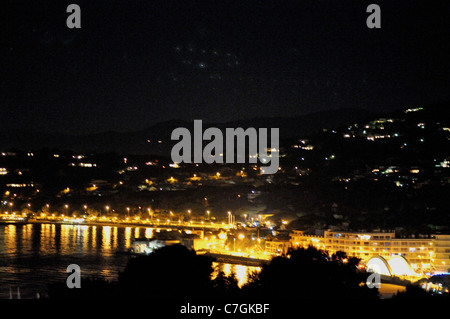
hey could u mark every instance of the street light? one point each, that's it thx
(67, 208)
(128, 211)
(107, 209)
(11, 205)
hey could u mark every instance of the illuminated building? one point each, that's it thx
(424, 254)
(277, 247)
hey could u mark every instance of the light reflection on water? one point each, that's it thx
(33, 255)
(241, 272)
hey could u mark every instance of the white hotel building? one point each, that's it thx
(425, 254)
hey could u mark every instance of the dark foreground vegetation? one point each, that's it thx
(175, 272)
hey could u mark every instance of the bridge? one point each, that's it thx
(239, 260)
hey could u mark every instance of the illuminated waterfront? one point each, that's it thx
(33, 255)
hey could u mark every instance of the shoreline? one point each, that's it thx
(110, 224)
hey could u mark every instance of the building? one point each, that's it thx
(147, 246)
(277, 247)
(425, 254)
(441, 245)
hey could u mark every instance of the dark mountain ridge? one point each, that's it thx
(156, 138)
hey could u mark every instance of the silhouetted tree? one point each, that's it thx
(177, 272)
(225, 286)
(310, 273)
(172, 271)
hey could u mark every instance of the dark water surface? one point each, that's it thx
(34, 255)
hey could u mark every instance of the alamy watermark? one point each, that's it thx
(213, 152)
(374, 279)
(74, 279)
(74, 19)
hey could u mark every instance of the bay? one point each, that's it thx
(34, 255)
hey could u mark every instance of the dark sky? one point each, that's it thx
(138, 62)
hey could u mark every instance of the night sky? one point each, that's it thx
(134, 63)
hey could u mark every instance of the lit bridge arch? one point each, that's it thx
(395, 266)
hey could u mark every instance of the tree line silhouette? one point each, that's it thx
(175, 272)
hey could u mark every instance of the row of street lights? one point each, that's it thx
(231, 217)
